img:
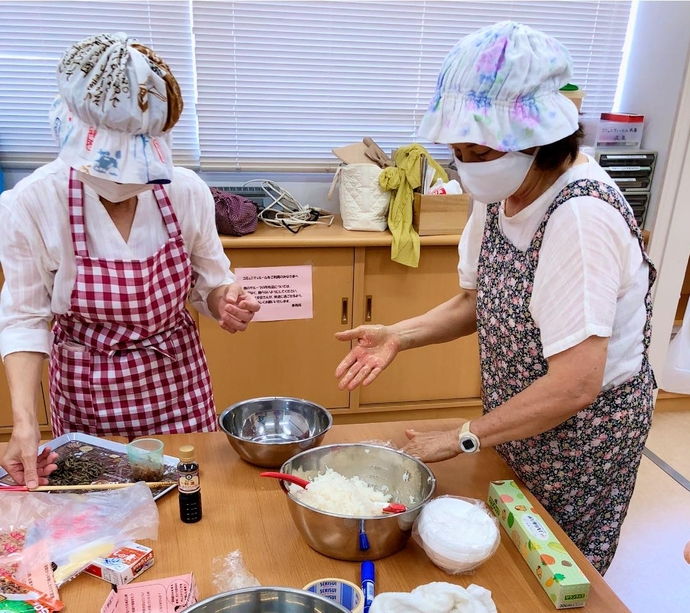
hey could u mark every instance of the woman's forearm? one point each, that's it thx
(454, 318)
(24, 370)
(542, 406)
(572, 383)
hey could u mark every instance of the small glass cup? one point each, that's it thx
(146, 459)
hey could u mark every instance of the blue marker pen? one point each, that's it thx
(368, 577)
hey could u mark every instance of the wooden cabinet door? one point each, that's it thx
(286, 358)
(393, 292)
(6, 418)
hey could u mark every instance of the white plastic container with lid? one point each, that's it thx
(457, 534)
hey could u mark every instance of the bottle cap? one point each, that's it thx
(187, 453)
(368, 571)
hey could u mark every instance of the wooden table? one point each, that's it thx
(243, 511)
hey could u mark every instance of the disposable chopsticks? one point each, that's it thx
(76, 488)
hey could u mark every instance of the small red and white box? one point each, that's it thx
(123, 565)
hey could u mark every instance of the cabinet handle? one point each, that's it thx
(367, 313)
(343, 313)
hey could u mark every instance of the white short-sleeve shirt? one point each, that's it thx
(591, 279)
(37, 254)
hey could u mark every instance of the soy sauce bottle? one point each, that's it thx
(189, 486)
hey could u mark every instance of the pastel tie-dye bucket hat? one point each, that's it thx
(499, 87)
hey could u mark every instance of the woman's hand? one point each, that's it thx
(23, 462)
(375, 349)
(433, 446)
(236, 308)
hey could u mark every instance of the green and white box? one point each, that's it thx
(562, 580)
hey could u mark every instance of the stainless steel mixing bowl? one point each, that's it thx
(267, 600)
(343, 537)
(269, 431)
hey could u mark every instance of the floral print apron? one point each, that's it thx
(127, 359)
(583, 471)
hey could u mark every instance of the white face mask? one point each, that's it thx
(111, 191)
(496, 180)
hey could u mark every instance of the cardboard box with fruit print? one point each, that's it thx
(563, 581)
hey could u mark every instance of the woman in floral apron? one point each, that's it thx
(554, 279)
(109, 242)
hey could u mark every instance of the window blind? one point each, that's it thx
(281, 83)
(33, 36)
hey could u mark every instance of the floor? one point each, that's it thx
(649, 572)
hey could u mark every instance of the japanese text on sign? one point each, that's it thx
(284, 292)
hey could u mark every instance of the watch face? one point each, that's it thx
(467, 445)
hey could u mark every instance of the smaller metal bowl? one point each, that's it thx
(269, 431)
(267, 600)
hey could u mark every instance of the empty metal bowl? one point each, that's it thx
(267, 600)
(269, 431)
(343, 537)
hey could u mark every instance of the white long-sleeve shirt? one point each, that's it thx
(591, 279)
(37, 254)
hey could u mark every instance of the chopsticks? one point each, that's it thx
(76, 488)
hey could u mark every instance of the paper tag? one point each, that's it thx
(159, 596)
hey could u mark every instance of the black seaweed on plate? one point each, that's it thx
(75, 471)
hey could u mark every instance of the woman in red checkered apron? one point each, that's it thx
(128, 240)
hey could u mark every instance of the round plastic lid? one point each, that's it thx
(458, 530)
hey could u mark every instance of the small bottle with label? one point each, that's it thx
(189, 486)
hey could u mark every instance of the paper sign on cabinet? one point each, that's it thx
(284, 292)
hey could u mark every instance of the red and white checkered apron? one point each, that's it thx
(127, 359)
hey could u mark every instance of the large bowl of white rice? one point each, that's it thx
(341, 513)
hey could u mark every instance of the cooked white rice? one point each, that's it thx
(335, 493)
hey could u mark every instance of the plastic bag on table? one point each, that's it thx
(230, 573)
(70, 530)
(18, 513)
(380, 443)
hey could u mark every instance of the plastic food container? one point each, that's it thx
(457, 534)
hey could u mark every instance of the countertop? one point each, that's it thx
(243, 511)
(322, 236)
(329, 236)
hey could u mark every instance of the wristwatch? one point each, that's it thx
(469, 443)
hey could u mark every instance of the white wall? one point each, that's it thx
(670, 248)
(656, 65)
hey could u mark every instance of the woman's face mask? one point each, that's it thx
(111, 191)
(497, 179)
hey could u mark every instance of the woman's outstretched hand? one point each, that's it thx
(375, 349)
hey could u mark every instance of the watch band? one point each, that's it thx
(467, 441)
